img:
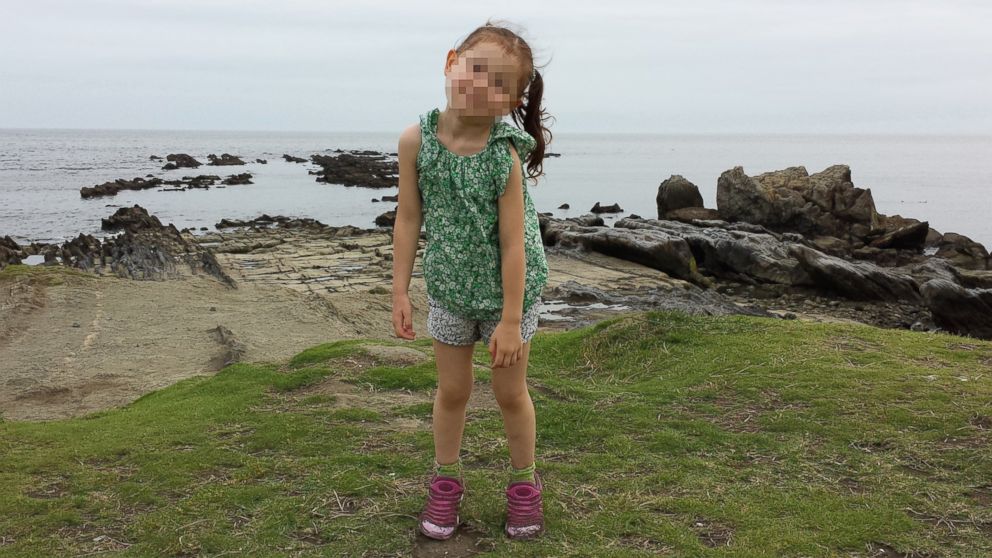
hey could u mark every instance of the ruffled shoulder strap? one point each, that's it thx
(504, 161)
(523, 141)
(428, 138)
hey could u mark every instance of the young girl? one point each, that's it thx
(462, 173)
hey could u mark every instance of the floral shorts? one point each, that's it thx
(453, 329)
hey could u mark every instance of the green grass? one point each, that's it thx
(658, 434)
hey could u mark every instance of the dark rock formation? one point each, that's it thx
(615, 208)
(648, 246)
(243, 178)
(957, 309)
(145, 250)
(224, 160)
(387, 219)
(855, 280)
(261, 161)
(963, 251)
(280, 221)
(292, 159)
(677, 193)
(111, 188)
(132, 219)
(738, 251)
(357, 168)
(180, 160)
(10, 252)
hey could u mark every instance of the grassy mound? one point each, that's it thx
(658, 433)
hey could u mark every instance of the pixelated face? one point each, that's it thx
(482, 81)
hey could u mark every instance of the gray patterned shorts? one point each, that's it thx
(453, 329)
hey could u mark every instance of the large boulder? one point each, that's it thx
(10, 252)
(677, 193)
(651, 247)
(855, 280)
(750, 254)
(822, 204)
(130, 218)
(962, 251)
(958, 309)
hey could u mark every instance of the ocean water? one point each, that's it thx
(946, 180)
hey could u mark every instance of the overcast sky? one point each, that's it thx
(858, 66)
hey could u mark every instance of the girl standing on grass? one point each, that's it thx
(462, 174)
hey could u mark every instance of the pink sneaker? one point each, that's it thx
(439, 519)
(525, 514)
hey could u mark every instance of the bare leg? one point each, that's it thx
(454, 387)
(510, 388)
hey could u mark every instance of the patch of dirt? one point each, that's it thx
(467, 541)
(883, 550)
(711, 533)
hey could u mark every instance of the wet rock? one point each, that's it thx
(615, 208)
(111, 188)
(677, 193)
(292, 159)
(155, 158)
(261, 161)
(180, 160)
(243, 178)
(130, 218)
(357, 168)
(387, 219)
(10, 252)
(225, 159)
(564, 206)
(395, 198)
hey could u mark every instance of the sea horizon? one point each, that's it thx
(939, 178)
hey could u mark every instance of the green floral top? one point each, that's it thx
(459, 195)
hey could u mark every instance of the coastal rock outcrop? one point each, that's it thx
(180, 160)
(677, 193)
(825, 203)
(145, 250)
(111, 188)
(10, 252)
(225, 159)
(357, 168)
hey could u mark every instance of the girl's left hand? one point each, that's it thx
(505, 345)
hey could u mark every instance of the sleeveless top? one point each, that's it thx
(459, 195)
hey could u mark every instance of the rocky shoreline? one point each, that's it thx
(784, 243)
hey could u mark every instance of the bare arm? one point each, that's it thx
(511, 243)
(409, 214)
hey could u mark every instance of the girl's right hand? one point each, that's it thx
(403, 317)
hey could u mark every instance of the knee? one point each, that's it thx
(512, 398)
(453, 397)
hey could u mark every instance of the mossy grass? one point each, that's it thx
(659, 433)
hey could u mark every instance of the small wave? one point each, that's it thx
(74, 168)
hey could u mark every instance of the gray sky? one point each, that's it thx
(844, 66)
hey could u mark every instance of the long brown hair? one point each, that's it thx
(531, 116)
